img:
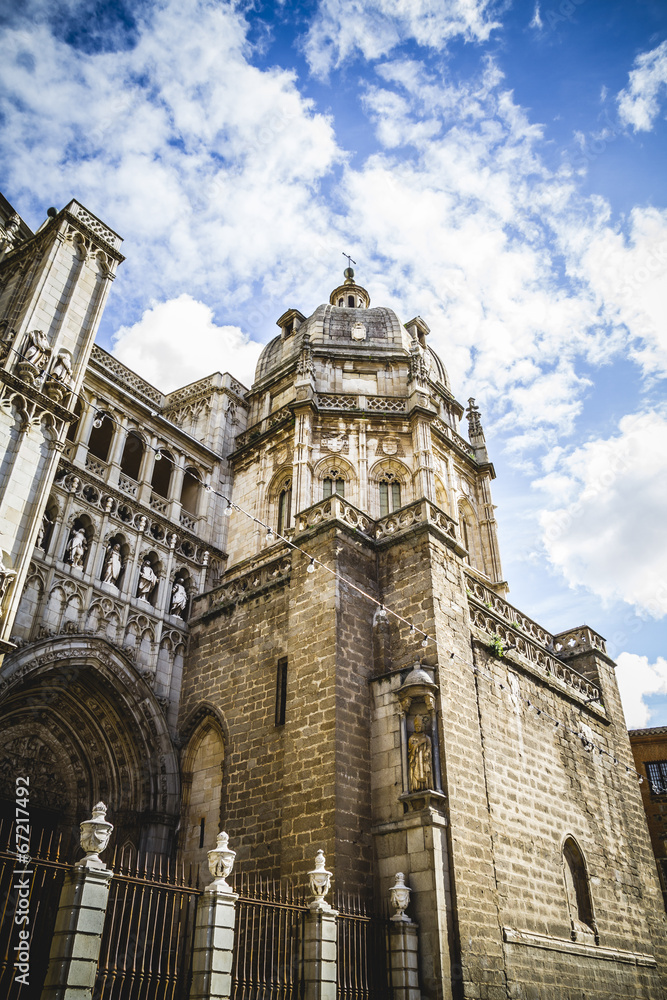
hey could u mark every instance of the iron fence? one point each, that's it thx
(45, 870)
(363, 951)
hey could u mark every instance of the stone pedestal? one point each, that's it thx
(320, 954)
(403, 944)
(75, 948)
(214, 944)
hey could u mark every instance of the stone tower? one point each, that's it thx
(438, 732)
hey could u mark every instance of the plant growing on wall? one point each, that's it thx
(496, 646)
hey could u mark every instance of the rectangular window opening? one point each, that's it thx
(656, 771)
(281, 691)
(202, 827)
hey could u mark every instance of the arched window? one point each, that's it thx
(350, 301)
(75, 424)
(333, 482)
(190, 491)
(390, 494)
(133, 452)
(468, 529)
(201, 800)
(162, 469)
(284, 506)
(577, 889)
(101, 433)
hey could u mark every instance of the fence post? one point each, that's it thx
(75, 948)
(214, 929)
(403, 945)
(320, 943)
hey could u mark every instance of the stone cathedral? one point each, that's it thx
(168, 651)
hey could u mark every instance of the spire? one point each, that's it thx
(476, 431)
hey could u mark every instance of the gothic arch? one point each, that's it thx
(203, 767)
(469, 532)
(578, 890)
(335, 467)
(77, 715)
(392, 486)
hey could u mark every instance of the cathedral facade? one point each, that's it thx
(281, 611)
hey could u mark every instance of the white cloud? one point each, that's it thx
(177, 342)
(638, 678)
(537, 19)
(638, 103)
(343, 29)
(607, 529)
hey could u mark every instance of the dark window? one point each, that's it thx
(350, 301)
(161, 478)
(133, 452)
(390, 497)
(281, 691)
(332, 485)
(284, 507)
(578, 891)
(190, 491)
(202, 827)
(99, 441)
(656, 771)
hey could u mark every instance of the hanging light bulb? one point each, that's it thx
(311, 566)
(158, 455)
(228, 509)
(641, 779)
(99, 420)
(270, 537)
(413, 631)
(425, 642)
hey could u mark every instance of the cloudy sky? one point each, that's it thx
(495, 166)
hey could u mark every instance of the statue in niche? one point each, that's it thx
(179, 598)
(147, 580)
(113, 564)
(42, 534)
(62, 370)
(420, 758)
(77, 547)
(6, 576)
(37, 350)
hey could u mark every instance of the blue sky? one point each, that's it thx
(496, 167)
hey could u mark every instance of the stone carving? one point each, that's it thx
(320, 883)
(147, 580)
(420, 758)
(6, 577)
(336, 443)
(179, 598)
(62, 369)
(113, 563)
(400, 898)
(220, 862)
(43, 532)
(94, 837)
(358, 331)
(77, 546)
(37, 349)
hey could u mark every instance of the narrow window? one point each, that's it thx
(133, 452)
(390, 496)
(350, 301)
(284, 507)
(656, 771)
(202, 826)
(281, 691)
(341, 302)
(333, 485)
(577, 889)
(464, 534)
(99, 441)
(161, 478)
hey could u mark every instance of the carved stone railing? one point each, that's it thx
(337, 401)
(578, 640)
(188, 521)
(245, 585)
(128, 485)
(494, 616)
(387, 404)
(94, 224)
(419, 512)
(158, 503)
(330, 509)
(126, 378)
(94, 465)
(280, 416)
(508, 612)
(442, 428)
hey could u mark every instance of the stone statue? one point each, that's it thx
(62, 370)
(113, 563)
(77, 547)
(43, 530)
(147, 580)
(37, 350)
(179, 598)
(6, 576)
(420, 758)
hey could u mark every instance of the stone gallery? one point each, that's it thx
(279, 612)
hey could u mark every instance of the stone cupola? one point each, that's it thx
(349, 295)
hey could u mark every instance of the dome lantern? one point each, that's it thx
(350, 295)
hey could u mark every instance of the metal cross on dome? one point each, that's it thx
(350, 262)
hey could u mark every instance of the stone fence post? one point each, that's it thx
(320, 946)
(75, 948)
(403, 945)
(214, 929)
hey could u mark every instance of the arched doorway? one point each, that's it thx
(79, 721)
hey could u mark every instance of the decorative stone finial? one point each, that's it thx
(320, 883)
(94, 837)
(220, 862)
(400, 898)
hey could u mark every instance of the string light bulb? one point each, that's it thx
(425, 642)
(311, 566)
(228, 510)
(413, 631)
(158, 454)
(270, 537)
(98, 421)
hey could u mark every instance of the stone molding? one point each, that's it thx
(531, 939)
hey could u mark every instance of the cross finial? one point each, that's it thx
(350, 262)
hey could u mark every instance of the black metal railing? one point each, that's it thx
(363, 950)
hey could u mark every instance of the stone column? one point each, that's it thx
(320, 938)
(75, 947)
(214, 931)
(403, 945)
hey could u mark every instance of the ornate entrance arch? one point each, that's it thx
(83, 725)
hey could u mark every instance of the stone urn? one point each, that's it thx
(94, 837)
(400, 898)
(55, 390)
(221, 862)
(27, 372)
(320, 883)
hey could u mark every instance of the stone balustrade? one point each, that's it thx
(578, 640)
